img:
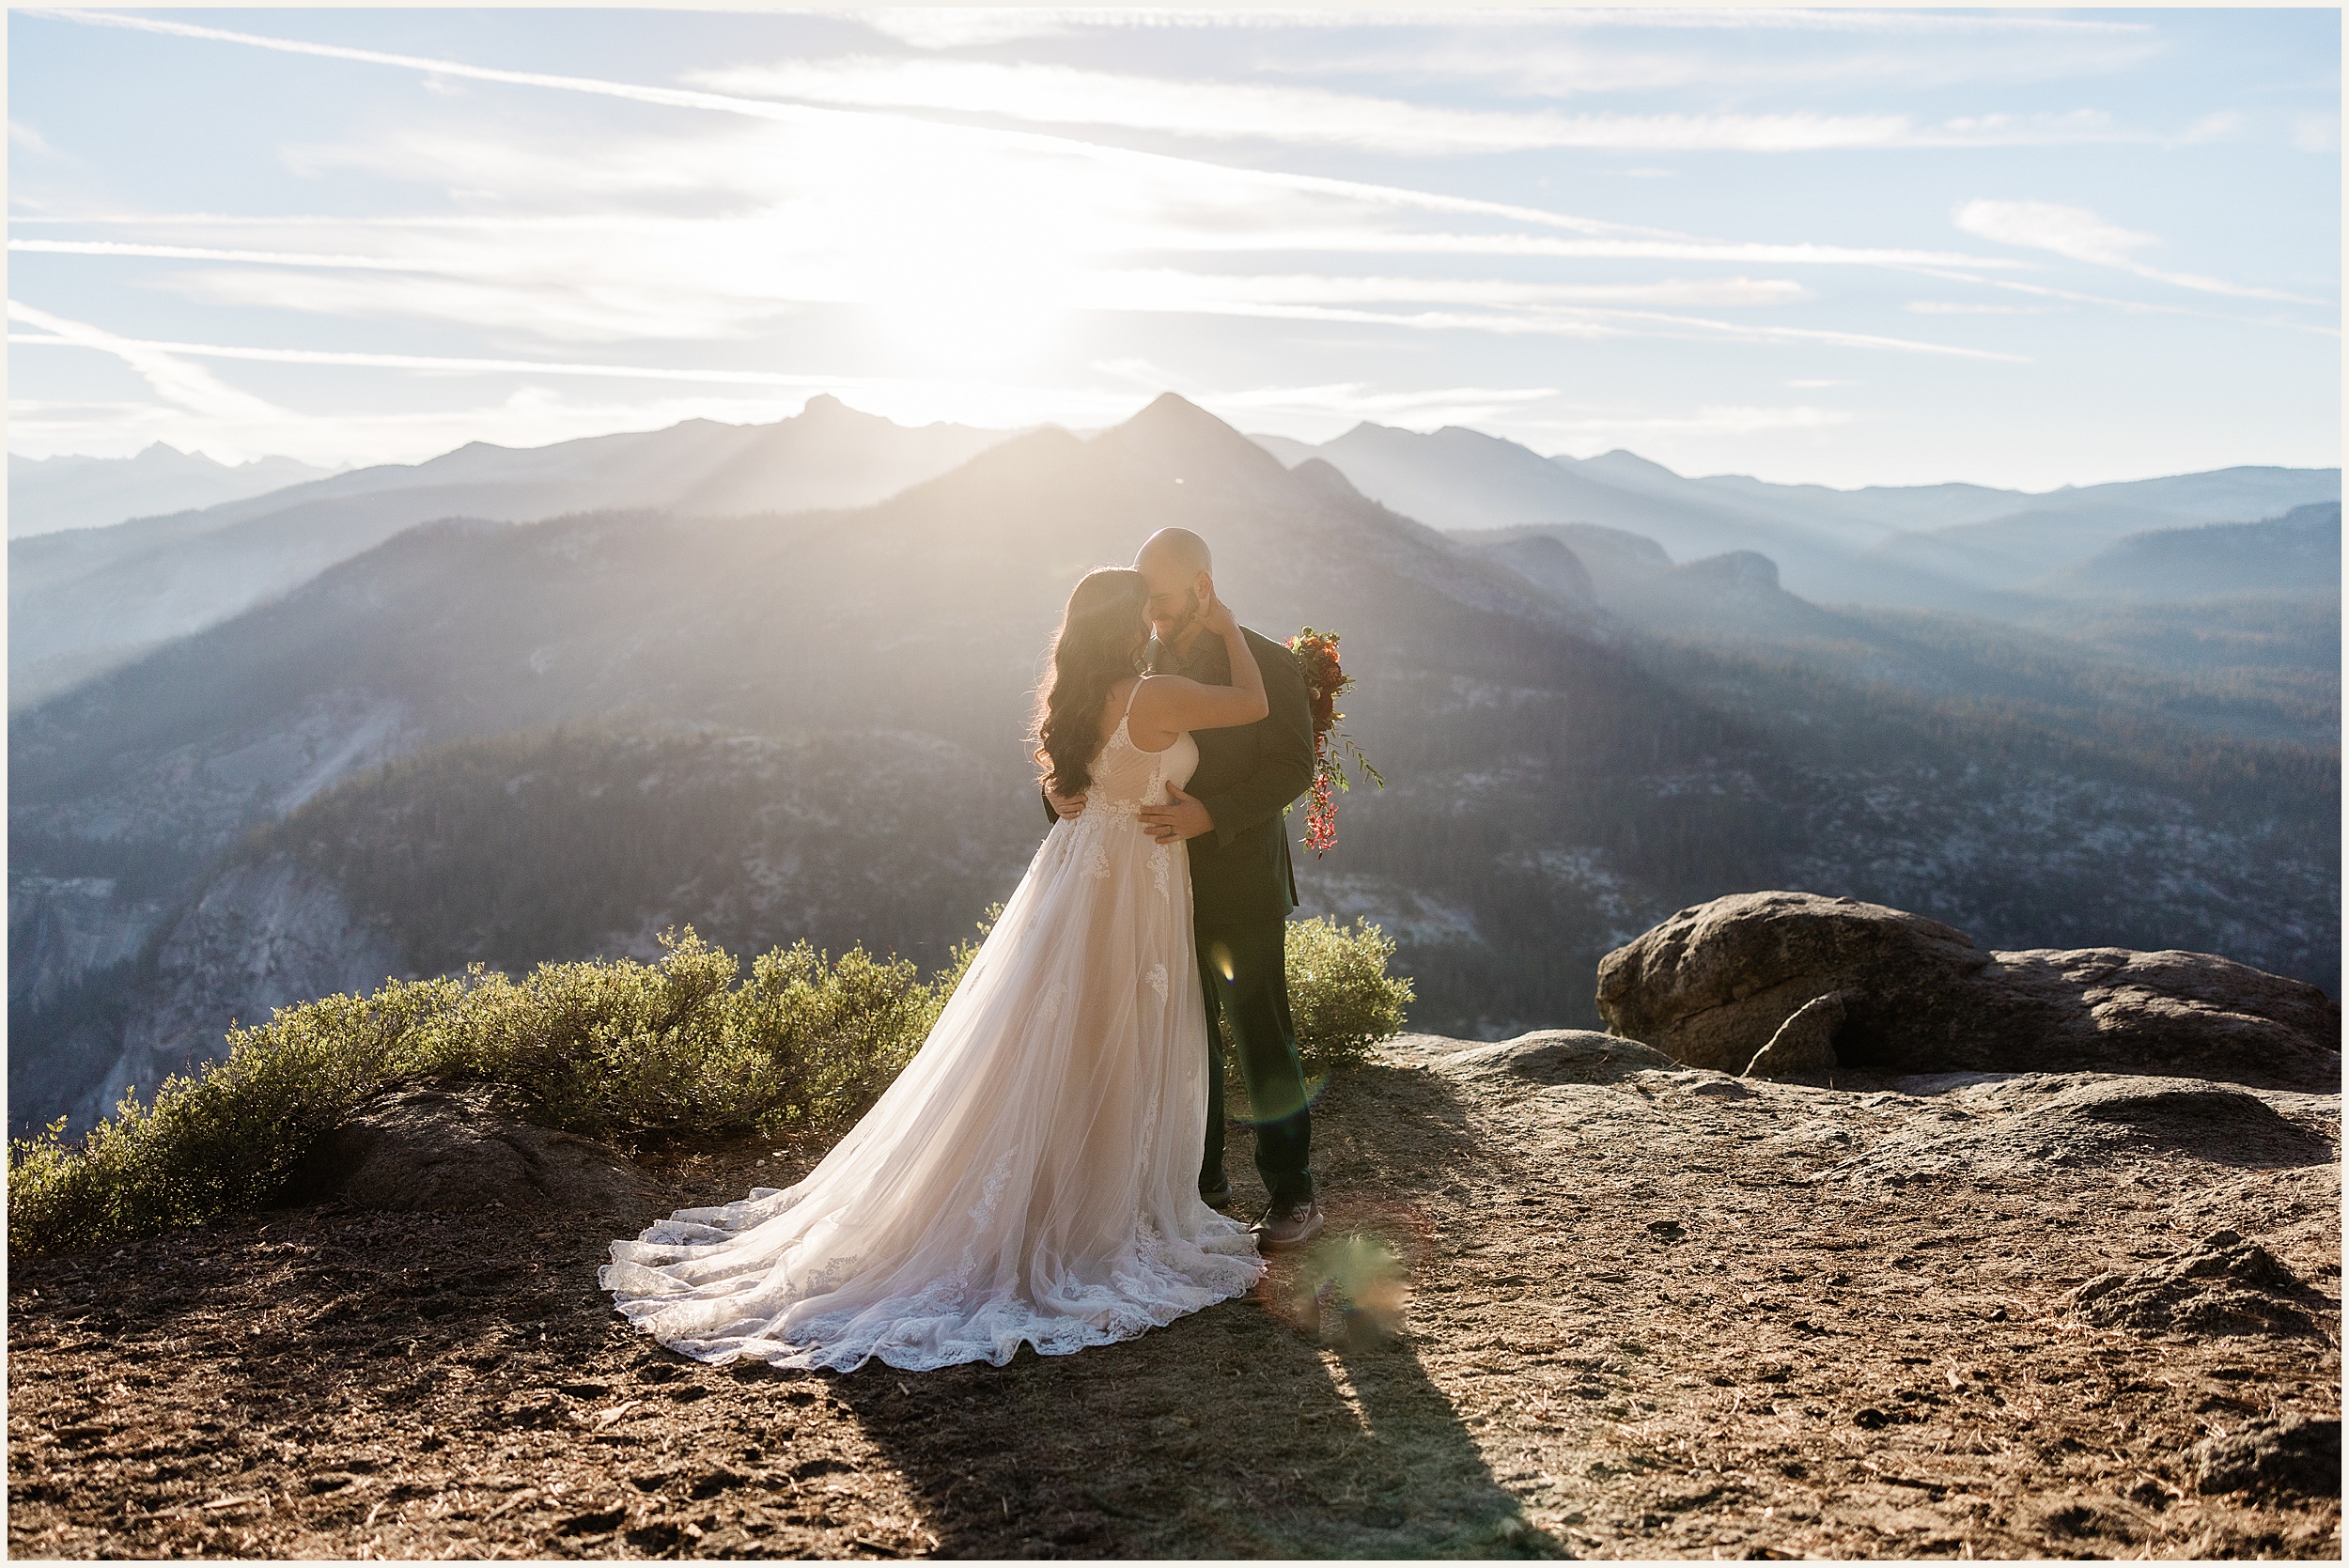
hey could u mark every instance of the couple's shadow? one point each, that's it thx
(1233, 1432)
(1229, 1434)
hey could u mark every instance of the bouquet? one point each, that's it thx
(1318, 661)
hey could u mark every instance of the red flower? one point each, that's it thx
(1325, 680)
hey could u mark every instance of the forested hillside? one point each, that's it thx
(501, 743)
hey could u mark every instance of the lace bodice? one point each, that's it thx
(1126, 778)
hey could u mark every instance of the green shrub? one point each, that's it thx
(1342, 999)
(615, 1048)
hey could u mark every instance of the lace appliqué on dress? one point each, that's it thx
(975, 1208)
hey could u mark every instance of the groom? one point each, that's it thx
(1242, 887)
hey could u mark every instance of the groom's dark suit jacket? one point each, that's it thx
(1246, 776)
(1241, 871)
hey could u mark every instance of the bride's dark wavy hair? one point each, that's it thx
(1092, 651)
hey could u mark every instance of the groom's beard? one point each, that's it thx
(1181, 630)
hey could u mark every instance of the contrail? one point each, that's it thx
(61, 333)
(201, 252)
(1558, 321)
(191, 386)
(794, 114)
(1798, 255)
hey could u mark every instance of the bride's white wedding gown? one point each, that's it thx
(1032, 1175)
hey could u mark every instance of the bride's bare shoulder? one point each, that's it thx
(1152, 690)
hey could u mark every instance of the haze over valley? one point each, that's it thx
(517, 705)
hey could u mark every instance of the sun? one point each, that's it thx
(967, 259)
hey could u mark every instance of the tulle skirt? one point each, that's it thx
(1031, 1176)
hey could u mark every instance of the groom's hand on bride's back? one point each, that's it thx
(1181, 817)
(1064, 805)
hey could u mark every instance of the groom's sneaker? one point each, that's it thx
(1287, 1224)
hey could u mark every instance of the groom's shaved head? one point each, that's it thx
(1174, 549)
(1174, 565)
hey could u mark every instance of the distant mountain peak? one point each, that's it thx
(1622, 461)
(1174, 427)
(1172, 409)
(824, 406)
(1327, 478)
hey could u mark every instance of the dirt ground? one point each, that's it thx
(1648, 1315)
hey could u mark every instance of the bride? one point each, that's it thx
(1033, 1175)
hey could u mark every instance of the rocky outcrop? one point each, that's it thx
(1804, 1045)
(262, 937)
(470, 1148)
(1547, 1056)
(62, 928)
(1713, 986)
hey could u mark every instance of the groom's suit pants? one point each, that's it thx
(1243, 970)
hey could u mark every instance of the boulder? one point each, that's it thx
(1804, 1046)
(464, 1147)
(1545, 1057)
(1713, 986)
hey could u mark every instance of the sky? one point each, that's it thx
(2014, 247)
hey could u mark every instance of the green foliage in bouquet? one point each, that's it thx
(611, 1048)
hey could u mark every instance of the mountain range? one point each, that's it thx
(47, 495)
(2299, 552)
(485, 741)
(85, 601)
(1944, 547)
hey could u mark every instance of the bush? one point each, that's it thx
(609, 1048)
(613, 1048)
(1341, 997)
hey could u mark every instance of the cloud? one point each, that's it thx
(1063, 95)
(1594, 323)
(2130, 307)
(1536, 62)
(655, 305)
(978, 22)
(23, 135)
(1708, 419)
(2078, 234)
(716, 231)
(964, 27)
(569, 310)
(2316, 132)
(532, 414)
(1952, 307)
(75, 334)
(933, 139)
